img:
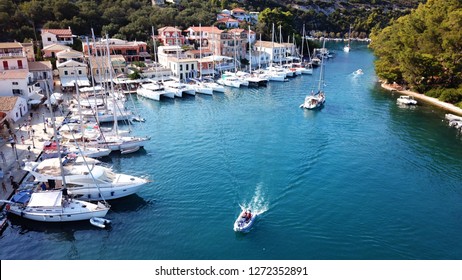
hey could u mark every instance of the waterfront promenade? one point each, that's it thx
(28, 150)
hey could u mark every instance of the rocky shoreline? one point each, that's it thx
(434, 101)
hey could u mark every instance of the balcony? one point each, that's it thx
(13, 54)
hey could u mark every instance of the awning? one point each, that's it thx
(34, 102)
(70, 81)
(36, 96)
(45, 199)
(90, 89)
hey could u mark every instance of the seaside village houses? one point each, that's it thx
(183, 54)
(21, 79)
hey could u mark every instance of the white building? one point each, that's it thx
(42, 73)
(13, 107)
(172, 57)
(72, 71)
(57, 36)
(277, 52)
(13, 57)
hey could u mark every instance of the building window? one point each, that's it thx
(15, 83)
(66, 73)
(49, 39)
(80, 72)
(192, 66)
(181, 67)
(187, 67)
(20, 64)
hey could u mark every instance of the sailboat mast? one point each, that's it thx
(114, 101)
(55, 134)
(200, 50)
(250, 52)
(303, 43)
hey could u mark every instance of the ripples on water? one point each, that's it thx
(360, 179)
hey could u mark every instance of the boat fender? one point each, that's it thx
(112, 193)
(7, 207)
(22, 213)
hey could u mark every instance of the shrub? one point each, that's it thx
(451, 95)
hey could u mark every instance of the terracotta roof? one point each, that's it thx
(268, 44)
(40, 65)
(227, 20)
(9, 45)
(238, 10)
(14, 74)
(69, 53)
(169, 29)
(59, 32)
(204, 28)
(56, 47)
(7, 103)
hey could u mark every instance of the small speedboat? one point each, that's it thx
(244, 221)
(358, 72)
(406, 100)
(100, 222)
(138, 119)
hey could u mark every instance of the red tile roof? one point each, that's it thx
(14, 74)
(59, 32)
(7, 103)
(204, 28)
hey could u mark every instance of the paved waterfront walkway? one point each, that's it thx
(447, 106)
(11, 163)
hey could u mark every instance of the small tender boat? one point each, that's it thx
(406, 100)
(100, 222)
(129, 150)
(358, 72)
(138, 119)
(244, 221)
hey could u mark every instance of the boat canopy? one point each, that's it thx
(46, 199)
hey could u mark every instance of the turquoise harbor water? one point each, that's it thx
(360, 179)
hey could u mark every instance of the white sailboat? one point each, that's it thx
(347, 47)
(53, 206)
(316, 100)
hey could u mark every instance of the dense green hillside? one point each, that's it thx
(424, 50)
(132, 19)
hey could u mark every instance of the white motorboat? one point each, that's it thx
(451, 117)
(230, 81)
(244, 221)
(406, 100)
(100, 222)
(201, 87)
(154, 91)
(358, 72)
(84, 181)
(53, 206)
(179, 88)
(214, 86)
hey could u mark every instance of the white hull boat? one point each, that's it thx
(52, 206)
(243, 222)
(313, 101)
(85, 182)
(100, 222)
(406, 100)
(451, 117)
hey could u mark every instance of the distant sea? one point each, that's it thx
(362, 178)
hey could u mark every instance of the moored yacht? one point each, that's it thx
(86, 182)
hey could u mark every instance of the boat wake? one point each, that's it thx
(257, 204)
